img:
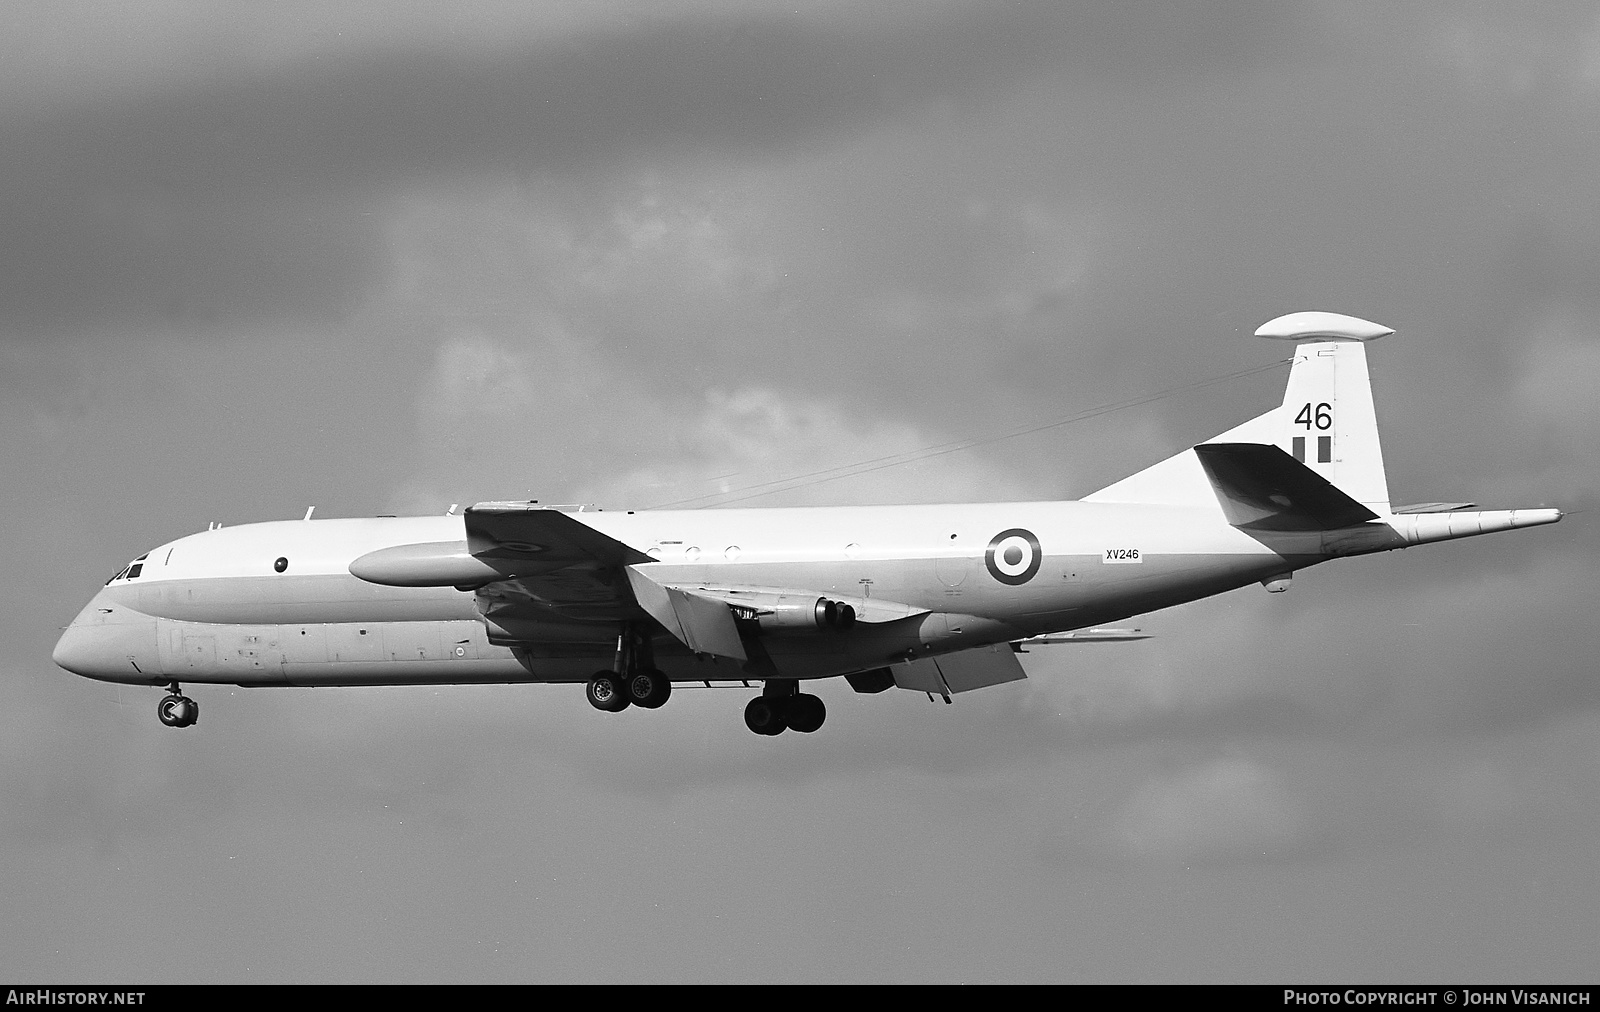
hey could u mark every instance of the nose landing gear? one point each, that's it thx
(177, 710)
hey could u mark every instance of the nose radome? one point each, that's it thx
(119, 647)
(76, 652)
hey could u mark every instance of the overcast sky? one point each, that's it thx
(384, 258)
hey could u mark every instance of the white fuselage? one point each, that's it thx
(214, 607)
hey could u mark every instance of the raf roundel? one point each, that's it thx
(1013, 556)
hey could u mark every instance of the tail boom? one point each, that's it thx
(1421, 528)
(1401, 531)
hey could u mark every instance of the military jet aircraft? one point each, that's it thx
(937, 599)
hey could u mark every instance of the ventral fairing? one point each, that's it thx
(937, 599)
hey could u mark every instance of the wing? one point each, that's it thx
(552, 560)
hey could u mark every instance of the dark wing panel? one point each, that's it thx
(550, 538)
(1261, 488)
(552, 562)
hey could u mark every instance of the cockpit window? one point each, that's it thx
(131, 570)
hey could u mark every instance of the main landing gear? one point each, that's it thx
(635, 681)
(611, 692)
(176, 710)
(782, 706)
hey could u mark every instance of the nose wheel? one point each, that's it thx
(177, 710)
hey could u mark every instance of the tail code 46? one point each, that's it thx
(1322, 418)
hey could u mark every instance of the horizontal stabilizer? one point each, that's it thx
(1261, 488)
(960, 672)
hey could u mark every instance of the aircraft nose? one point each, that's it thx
(79, 651)
(112, 644)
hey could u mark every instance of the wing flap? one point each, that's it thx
(707, 624)
(962, 671)
(702, 623)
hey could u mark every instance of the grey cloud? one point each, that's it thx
(759, 82)
(213, 199)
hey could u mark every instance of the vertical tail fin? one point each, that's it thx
(1326, 421)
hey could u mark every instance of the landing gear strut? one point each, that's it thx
(177, 710)
(782, 706)
(633, 679)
